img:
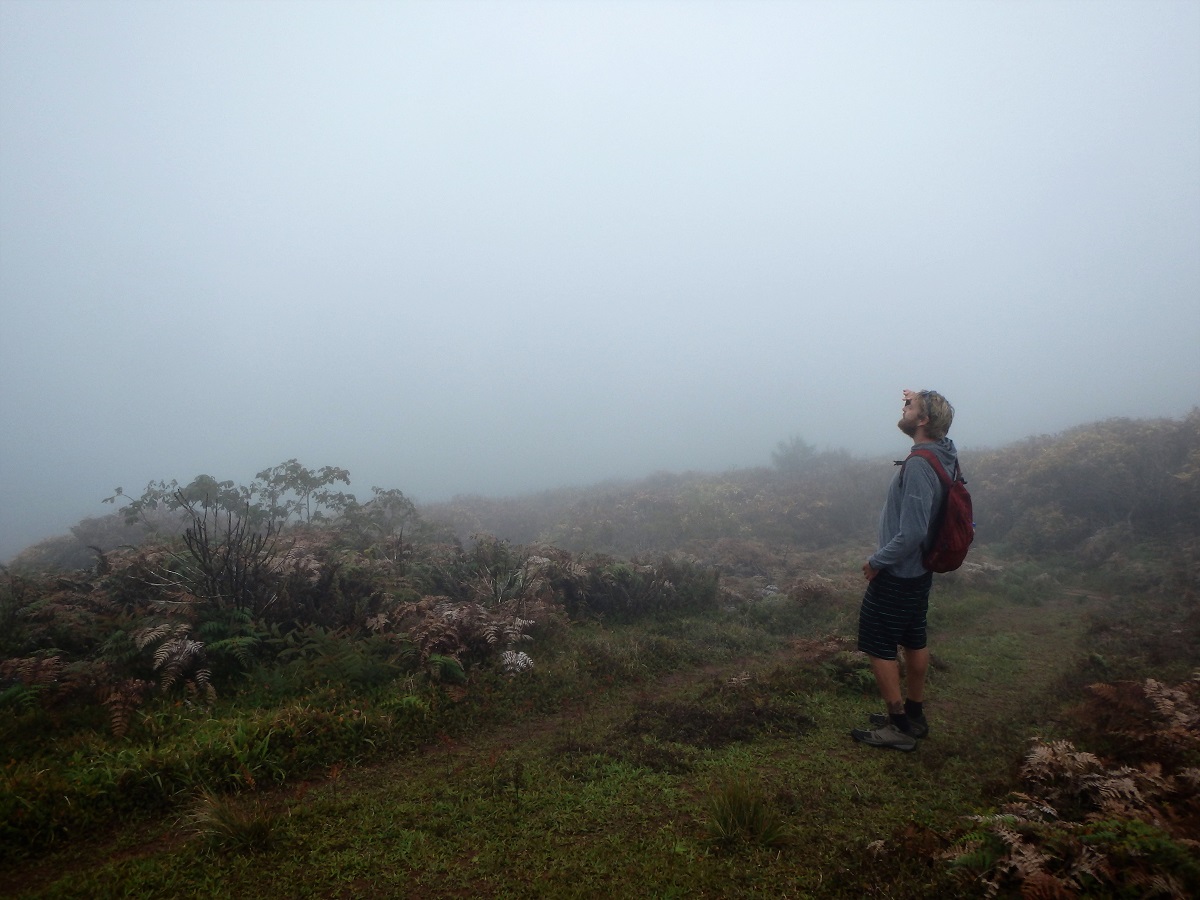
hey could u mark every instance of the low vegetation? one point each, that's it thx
(638, 689)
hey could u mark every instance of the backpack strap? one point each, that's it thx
(932, 458)
(939, 511)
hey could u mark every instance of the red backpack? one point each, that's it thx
(953, 528)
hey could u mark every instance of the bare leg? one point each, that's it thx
(887, 677)
(917, 664)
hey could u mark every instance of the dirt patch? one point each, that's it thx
(711, 727)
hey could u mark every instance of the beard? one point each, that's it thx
(908, 427)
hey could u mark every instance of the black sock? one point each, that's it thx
(900, 720)
(914, 709)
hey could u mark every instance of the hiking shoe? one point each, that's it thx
(888, 736)
(918, 728)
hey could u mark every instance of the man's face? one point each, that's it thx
(912, 414)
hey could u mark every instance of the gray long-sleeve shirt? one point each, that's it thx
(913, 498)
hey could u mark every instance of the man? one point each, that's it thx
(897, 598)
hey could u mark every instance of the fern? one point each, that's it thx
(1085, 823)
(155, 634)
(121, 700)
(378, 623)
(120, 649)
(33, 671)
(42, 680)
(21, 697)
(1147, 720)
(515, 662)
(240, 647)
(467, 632)
(446, 669)
(177, 657)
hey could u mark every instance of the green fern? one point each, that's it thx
(1131, 844)
(21, 697)
(979, 857)
(240, 647)
(446, 669)
(120, 649)
(978, 853)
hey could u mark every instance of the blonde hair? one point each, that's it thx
(939, 412)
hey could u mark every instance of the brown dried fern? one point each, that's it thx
(177, 657)
(33, 671)
(462, 631)
(1147, 720)
(121, 700)
(1055, 840)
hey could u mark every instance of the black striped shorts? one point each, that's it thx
(893, 614)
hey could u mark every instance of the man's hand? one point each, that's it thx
(868, 572)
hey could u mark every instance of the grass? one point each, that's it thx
(739, 812)
(241, 824)
(692, 757)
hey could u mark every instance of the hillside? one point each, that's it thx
(491, 697)
(1089, 492)
(1084, 491)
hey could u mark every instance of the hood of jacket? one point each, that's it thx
(946, 452)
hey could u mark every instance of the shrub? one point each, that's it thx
(627, 591)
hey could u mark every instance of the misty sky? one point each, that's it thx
(498, 247)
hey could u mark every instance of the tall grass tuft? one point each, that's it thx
(231, 824)
(740, 814)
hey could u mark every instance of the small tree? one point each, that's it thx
(793, 455)
(203, 491)
(385, 519)
(289, 489)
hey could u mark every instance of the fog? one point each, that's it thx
(500, 247)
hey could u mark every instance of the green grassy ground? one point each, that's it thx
(612, 794)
